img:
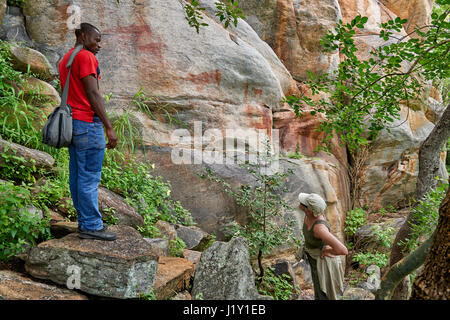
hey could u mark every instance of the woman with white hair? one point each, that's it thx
(322, 248)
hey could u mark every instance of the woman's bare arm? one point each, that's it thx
(334, 246)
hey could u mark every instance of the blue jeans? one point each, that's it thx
(85, 167)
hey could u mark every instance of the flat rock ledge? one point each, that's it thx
(173, 276)
(124, 268)
(16, 286)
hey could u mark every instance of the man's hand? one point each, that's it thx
(326, 252)
(112, 138)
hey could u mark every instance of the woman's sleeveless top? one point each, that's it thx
(311, 242)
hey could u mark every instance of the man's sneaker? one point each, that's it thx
(97, 235)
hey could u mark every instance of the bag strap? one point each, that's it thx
(65, 93)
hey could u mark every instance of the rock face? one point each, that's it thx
(213, 212)
(13, 27)
(32, 157)
(152, 38)
(235, 79)
(293, 29)
(312, 175)
(392, 167)
(16, 286)
(124, 268)
(417, 12)
(377, 13)
(123, 212)
(224, 273)
(246, 32)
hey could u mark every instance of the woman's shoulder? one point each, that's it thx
(320, 221)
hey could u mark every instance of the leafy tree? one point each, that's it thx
(364, 97)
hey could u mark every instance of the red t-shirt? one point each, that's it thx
(84, 64)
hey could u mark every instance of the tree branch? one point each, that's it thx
(401, 269)
(411, 69)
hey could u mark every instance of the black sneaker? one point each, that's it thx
(97, 235)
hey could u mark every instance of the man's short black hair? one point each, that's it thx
(85, 28)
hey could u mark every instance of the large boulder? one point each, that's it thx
(124, 268)
(293, 29)
(48, 96)
(122, 211)
(22, 57)
(17, 286)
(194, 237)
(224, 273)
(32, 157)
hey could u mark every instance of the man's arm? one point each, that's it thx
(96, 101)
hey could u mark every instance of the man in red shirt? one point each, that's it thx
(88, 141)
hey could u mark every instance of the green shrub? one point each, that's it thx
(354, 219)
(385, 235)
(278, 287)
(176, 247)
(369, 258)
(15, 167)
(20, 121)
(18, 227)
